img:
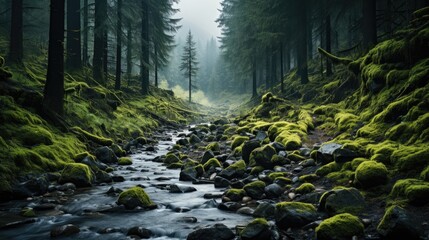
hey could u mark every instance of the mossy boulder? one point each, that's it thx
(171, 158)
(214, 146)
(325, 154)
(338, 227)
(194, 139)
(305, 188)
(262, 156)
(135, 197)
(425, 174)
(234, 194)
(328, 168)
(212, 163)
(77, 173)
(118, 150)
(235, 170)
(27, 212)
(342, 200)
(257, 229)
(125, 161)
(296, 157)
(106, 155)
(207, 156)
(398, 223)
(238, 141)
(414, 191)
(247, 149)
(92, 137)
(371, 174)
(255, 189)
(294, 214)
(31, 135)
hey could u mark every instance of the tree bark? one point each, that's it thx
(85, 34)
(16, 33)
(119, 47)
(302, 42)
(73, 61)
(99, 39)
(155, 62)
(53, 99)
(281, 68)
(190, 73)
(267, 71)
(273, 69)
(328, 44)
(254, 85)
(144, 70)
(369, 26)
(129, 54)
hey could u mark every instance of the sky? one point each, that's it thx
(199, 16)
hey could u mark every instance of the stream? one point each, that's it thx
(98, 216)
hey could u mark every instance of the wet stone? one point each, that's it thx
(65, 230)
(140, 232)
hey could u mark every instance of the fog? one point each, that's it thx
(199, 16)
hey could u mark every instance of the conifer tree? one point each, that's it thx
(189, 64)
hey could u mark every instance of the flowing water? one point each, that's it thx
(93, 210)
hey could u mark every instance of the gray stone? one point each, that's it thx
(345, 200)
(177, 188)
(106, 155)
(264, 210)
(398, 223)
(218, 231)
(65, 230)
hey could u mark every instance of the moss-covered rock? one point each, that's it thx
(370, 174)
(235, 170)
(425, 174)
(125, 161)
(247, 149)
(238, 141)
(257, 229)
(305, 188)
(234, 194)
(341, 226)
(135, 197)
(214, 146)
(342, 200)
(296, 157)
(212, 162)
(262, 156)
(398, 223)
(294, 214)
(272, 176)
(328, 168)
(77, 173)
(414, 191)
(94, 138)
(309, 178)
(171, 158)
(255, 189)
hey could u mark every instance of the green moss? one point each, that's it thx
(96, 139)
(371, 173)
(214, 146)
(309, 178)
(297, 206)
(346, 121)
(296, 157)
(356, 162)
(239, 165)
(28, 212)
(79, 157)
(275, 175)
(282, 181)
(171, 158)
(341, 177)
(328, 168)
(305, 188)
(135, 197)
(291, 141)
(125, 161)
(262, 156)
(212, 162)
(413, 191)
(176, 165)
(341, 226)
(425, 174)
(238, 141)
(109, 169)
(235, 195)
(77, 173)
(258, 224)
(327, 110)
(411, 158)
(256, 170)
(255, 184)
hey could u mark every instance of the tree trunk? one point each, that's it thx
(281, 68)
(267, 72)
(73, 61)
(99, 39)
(119, 47)
(144, 70)
(53, 99)
(106, 55)
(129, 54)
(328, 44)
(254, 86)
(85, 33)
(287, 62)
(302, 42)
(190, 74)
(310, 39)
(16, 33)
(369, 26)
(273, 69)
(156, 65)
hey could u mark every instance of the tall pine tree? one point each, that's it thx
(189, 64)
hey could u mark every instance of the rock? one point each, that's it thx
(237, 184)
(212, 195)
(308, 163)
(343, 155)
(294, 214)
(183, 142)
(343, 200)
(229, 206)
(257, 229)
(123, 161)
(106, 155)
(77, 173)
(193, 139)
(66, 187)
(219, 232)
(210, 204)
(255, 189)
(220, 182)
(34, 187)
(248, 147)
(176, 188)
(139, 231)
(398, 223)
(325, 154)
(262, 157)
(103, 177)
(181, 209)
(27, 212)
(235, 170)
(188, 174)
(207, 156)
(305, 188)
(117, 150)
(264, 210)
(188, 220)
(118, 178)
(278, 147)
(245, 211)
(113, 190)
(235, 195)
(415, 191)
(371, 174)
(341, 226)
(65, 230)
(273, 190)
(93, 163)
(261, 135)
(135, 197)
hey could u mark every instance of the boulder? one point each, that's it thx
(188, 174)
(106, 155)
(371, 174)
(77, 173)
(264, 210)
(262, 157)
(35, 186)
(398, 223)
(135, 197)
(342, 200)
(325, 154)
(177, 188)
(273, 190)
(257, 229)
(193, 139)
(65, 230)
(207, 156)
(294, 214)
(235, 170)
(219, 231)
(255, 189)
(338, 227)
(248, 147)
(140, 232)
(220, 182)
(234, 194)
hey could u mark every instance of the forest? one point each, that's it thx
(298, 120)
